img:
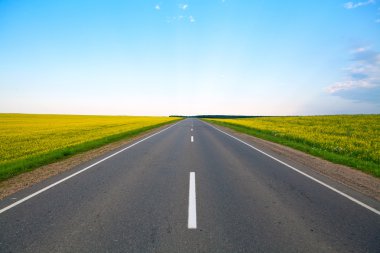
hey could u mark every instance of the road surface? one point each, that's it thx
(188, 188)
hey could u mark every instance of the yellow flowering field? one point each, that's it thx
(353, 140)
(31, 140)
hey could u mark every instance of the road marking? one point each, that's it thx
(192, 138)
(304, 174)
(78, 172)
(191, 129)
(192, 220)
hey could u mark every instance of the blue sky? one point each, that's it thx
(190, 57)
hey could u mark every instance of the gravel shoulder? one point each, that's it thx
(356, 180)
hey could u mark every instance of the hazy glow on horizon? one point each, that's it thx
(189, 57)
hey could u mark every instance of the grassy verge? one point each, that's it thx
(16, 167)
(369, 167)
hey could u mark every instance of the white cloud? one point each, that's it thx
(180, 18)
(362, 77)
(183, 6)
(352, 5)
(360, 49)
(349, 85)
(157, 7)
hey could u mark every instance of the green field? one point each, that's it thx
(352, 140)
(28, 141)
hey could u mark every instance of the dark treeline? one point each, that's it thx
(216, 116)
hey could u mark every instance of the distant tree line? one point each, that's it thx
(216, 116)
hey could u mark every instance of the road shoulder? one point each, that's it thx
(25, 180)
(354, 179)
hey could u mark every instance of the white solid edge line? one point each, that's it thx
(304, 174)
(78, 172)
(192, 220)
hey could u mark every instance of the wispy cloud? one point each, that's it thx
(183, 6)
(352, 5)
(362, 77)
(183, 15)
(180, 18)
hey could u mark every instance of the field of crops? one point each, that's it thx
(353, 140)
(28, 141)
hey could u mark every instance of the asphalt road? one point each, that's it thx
(138, 201)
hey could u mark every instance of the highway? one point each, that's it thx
(189, 188)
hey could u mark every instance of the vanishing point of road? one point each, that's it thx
(189, 188)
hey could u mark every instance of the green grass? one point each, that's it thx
(30, 141)
(349, 140)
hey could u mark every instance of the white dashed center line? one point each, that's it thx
(192, 220)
